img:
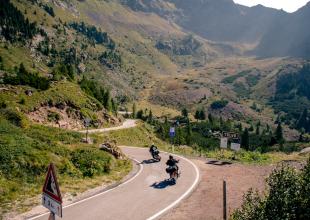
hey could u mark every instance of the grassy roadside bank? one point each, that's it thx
(26, 152)
(143, 135)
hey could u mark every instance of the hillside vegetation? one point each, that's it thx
(26, 152)
(293, 97)
(62, 62)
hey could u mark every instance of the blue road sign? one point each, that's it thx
(172, 132)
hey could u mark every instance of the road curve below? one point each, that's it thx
(145, 196)
(128, 123)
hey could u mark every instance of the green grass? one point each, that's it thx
(13, 56)
(143, 136)
(231, 79)
(60, 92)
(26, 153)
(241, 90)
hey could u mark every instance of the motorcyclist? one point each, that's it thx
(154, 150)
(172, 164)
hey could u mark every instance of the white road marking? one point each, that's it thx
(158, 214)
(99, 194)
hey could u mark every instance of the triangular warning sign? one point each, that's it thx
(51, 187)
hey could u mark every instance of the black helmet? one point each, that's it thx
(170, 157)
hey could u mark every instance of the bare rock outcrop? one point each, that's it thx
(112, 148)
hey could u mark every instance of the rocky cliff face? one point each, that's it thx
(288, 36)
(276, 32)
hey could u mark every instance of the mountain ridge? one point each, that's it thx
(225, 21)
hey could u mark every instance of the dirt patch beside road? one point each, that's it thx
(206, 201)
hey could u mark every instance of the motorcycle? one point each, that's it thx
(155, 155)
(173, 173)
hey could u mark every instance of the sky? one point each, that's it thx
(286, 5)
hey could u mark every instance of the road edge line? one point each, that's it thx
(188, 192)
(99, 194)
(184, 195)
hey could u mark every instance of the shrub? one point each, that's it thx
(49, 10)
(93, 34)
(91, 162)
(110, 59)
(53, 116)
(23, 77)
(64, 70)
(288, 197)
(15, 27)
(22, 101)
(15, 118)
(219, 104)
(2, 104)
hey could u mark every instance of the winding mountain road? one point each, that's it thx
(147, 195)
(128, 123)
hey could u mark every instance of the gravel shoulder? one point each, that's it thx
(206, 201)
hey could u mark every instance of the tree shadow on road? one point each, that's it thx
(162, 184)
(218, 162)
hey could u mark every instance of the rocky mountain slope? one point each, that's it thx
(276, 32)
(288, 36)
(172, 53)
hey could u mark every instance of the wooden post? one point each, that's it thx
(52, 216)
(224, 201)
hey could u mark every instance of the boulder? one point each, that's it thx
(111, 148)
(305, 151)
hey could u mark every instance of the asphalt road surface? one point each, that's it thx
(147, 195)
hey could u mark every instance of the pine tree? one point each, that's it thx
(257, 129)
(245, 139)
(239, 126)
(303, 120)
(140, 115)
(210, 118)
(114, 106)
(279, 134)
(188, 133)
(184, 112)
(221, 121)
(1, 63)
(134, 110)
(197, 115)
(107, 101)
(202, 115)
(150, 117)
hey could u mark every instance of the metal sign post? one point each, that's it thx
(87, 123)
(172, 135)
